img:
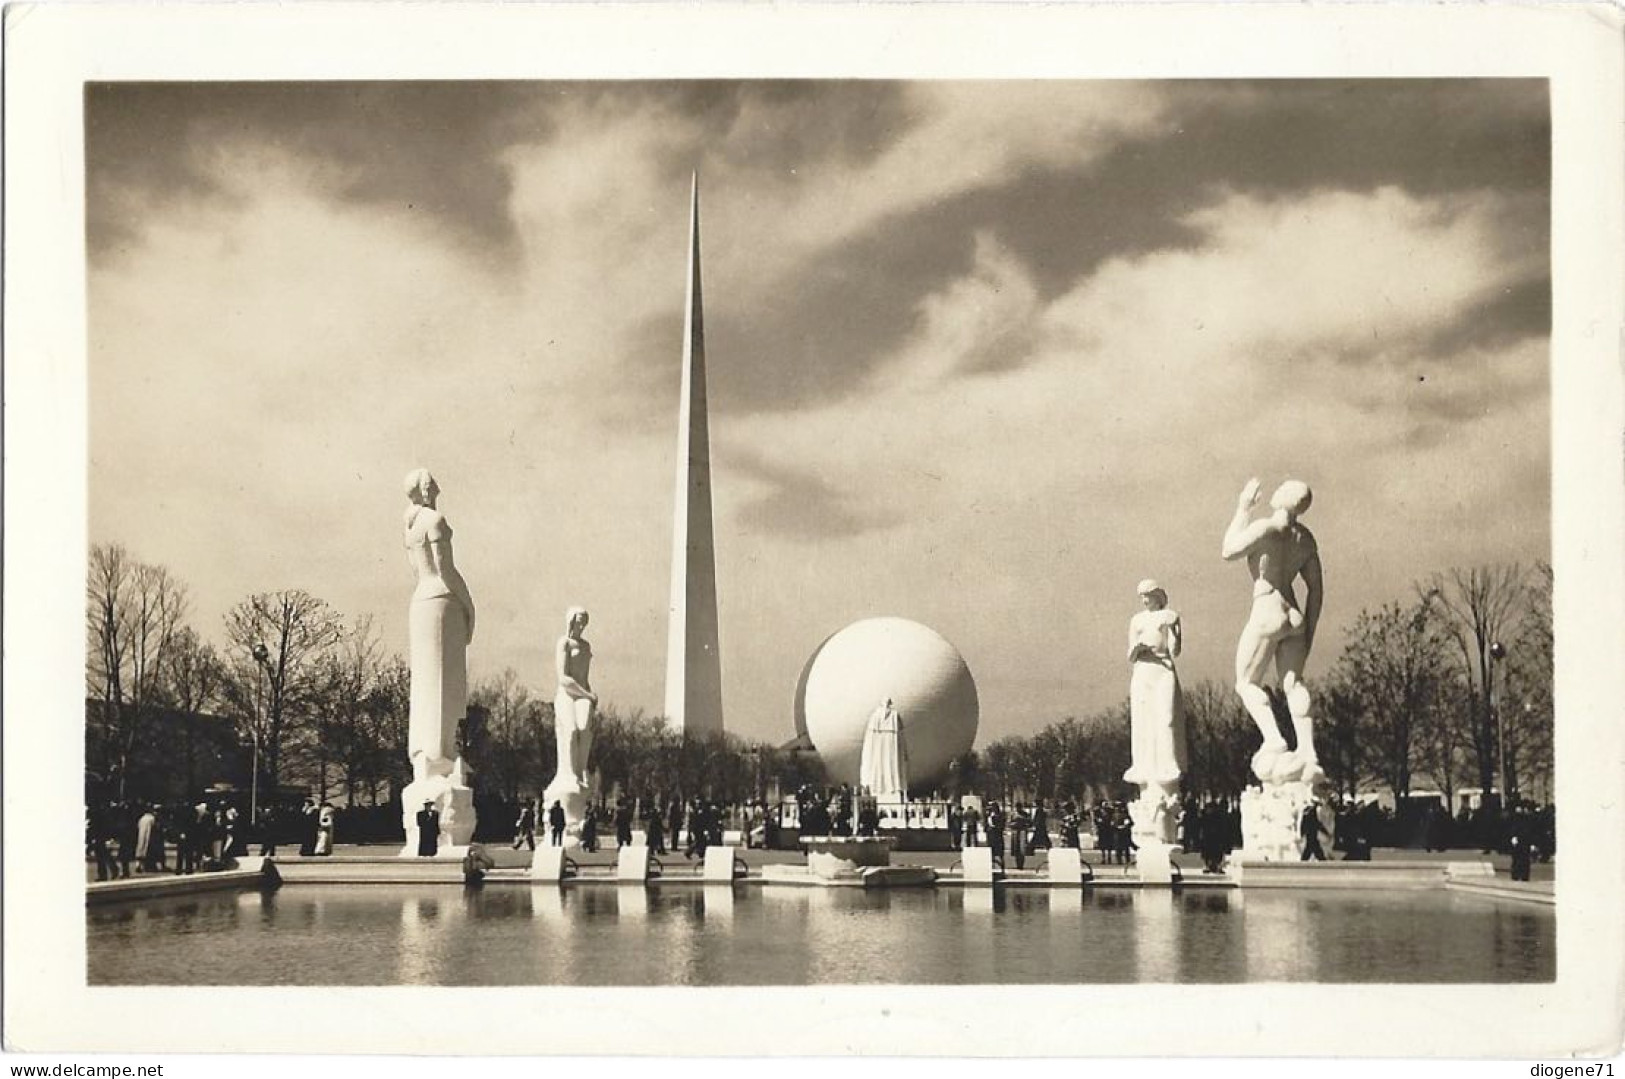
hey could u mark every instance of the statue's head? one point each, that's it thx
(575, 621)
(1293, 496)
(1152, 595)
(421, 487)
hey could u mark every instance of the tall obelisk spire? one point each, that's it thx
(693, 666)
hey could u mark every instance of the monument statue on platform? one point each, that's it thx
(1157, 726)
(440, 625)
(1280, 631)
(575, 708)
(883, 767)
(1279, 550)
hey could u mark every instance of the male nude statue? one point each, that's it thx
(1278, 550)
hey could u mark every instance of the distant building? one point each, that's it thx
(175, 754)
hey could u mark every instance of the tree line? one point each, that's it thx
(1447, 688)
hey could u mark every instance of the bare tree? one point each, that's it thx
(277, 640)
(192, 681)
(1220, 740)
(1483, 606)
(106, 602)
(1392, 668)
(133, 611)
(341, 730)
(1442, 741)
(508, 762)
(1525, 698)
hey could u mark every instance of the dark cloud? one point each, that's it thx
(435, 147)
(428, 147)
(1518, 312)
(799, 504)
(1430, 138)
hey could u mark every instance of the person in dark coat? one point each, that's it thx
(1040, 838)
(674, 822)
(185, 829)
(428, 831)
(1019, 826)
(995, 832)
(589, 829)
(1214, 838)
(1310, 828)
(268, 824)
(956, 825)
(308, 824)
(656, 829)
(524, 829)
(555, 823)
(124, 821)
(623, 822)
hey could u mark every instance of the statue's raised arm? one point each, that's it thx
(1244, 534)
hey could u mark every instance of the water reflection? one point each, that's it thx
(751, 935)
(423, 940)
(1154, 940)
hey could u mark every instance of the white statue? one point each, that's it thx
(883, 767)
(575, 706)
(1156, 730)
(1279, 550)
(1156, 713)
(440, 626)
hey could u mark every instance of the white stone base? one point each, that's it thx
(455, 803)
(573, 798)
(632, 864)
(549, 865)
(1269, 822)
(719, 864)
(1154, 863)
(978, 862)
(1066, 866)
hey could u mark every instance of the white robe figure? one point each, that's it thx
(883, 768)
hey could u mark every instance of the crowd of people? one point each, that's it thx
(125, 838)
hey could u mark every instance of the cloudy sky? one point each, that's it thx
(980, 354)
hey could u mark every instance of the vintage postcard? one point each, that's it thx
(893, 511)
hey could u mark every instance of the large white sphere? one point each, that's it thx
(855, 670)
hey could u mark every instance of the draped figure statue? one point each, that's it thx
(1156, 712)
(883, 767)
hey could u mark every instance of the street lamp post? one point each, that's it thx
(262, 657)
(1498, 653)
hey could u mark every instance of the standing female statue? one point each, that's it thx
(1156, 715)
(440, 625)
(575, 704)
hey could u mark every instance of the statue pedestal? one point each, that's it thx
(453, 799)
(1154, 863)
(573, 797)
(1269, 821)
(1152, 814)
(836, 857)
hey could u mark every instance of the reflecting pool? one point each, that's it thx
(752, 935)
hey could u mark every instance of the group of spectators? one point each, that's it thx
(126, 838)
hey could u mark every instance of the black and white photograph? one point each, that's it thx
(871, 528)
